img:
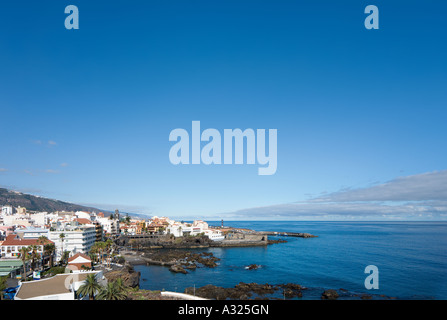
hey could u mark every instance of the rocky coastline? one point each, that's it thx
(184, 261)
(288, 291)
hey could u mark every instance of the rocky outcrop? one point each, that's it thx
(292, 290)
(252, 267)
(179, 260)
(177, 269)
(329, 294)
(244, 291)
(129, 276)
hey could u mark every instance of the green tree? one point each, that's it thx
(65, 257)
(90, 287)
(34, 255)
(49, 250)
(3, 286)
(62, 238)
(24, 256)
(113, 291)
(109, 248)
(3, 283)
(42, 240)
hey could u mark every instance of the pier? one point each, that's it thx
(286, 234)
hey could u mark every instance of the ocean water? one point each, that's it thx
(411, 258)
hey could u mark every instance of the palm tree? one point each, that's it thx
(120, 284)
(92, 255)
(62, 237)
(109, 250)
(49, 250)
(96, 250)
(90, 287)
(113, 291)
(101, 247)
(42, 240)
(34, 256)
(65, 256)
(24, 256)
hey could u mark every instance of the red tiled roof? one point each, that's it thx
(79, 254)
(14, 240)
(83, 221)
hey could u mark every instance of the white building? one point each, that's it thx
(76, 239)
(197, 227)
(200, 224)
(111, 226)
(32, 233)
(6, 210)
(60, 287)
(178, 229)
(16, 220)
(41, 218)
(83, 215)
(215, 235)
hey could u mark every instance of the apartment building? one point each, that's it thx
(78, 238)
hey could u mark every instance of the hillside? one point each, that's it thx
(36, 203)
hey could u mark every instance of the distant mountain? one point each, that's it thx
(37, 203)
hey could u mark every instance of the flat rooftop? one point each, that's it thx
(59, 284)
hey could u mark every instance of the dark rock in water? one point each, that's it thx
(292, 290)
(288, 293)
(209, 291)
(329, 294)
(260, 289)
(252, 267)
(177, 268)
(242, 291)
(245, 291)
(292, 286)
(190, 266)
(269, 241)
(307, 235)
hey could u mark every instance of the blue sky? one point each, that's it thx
(86, 114)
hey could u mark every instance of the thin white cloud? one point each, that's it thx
(51, 171)
(29, 172)
(415, 197)
(420, 187)
(52, 143)
(3, 170)
(121, 207)
(64, 164)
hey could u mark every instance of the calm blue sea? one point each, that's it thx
(411, 258)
